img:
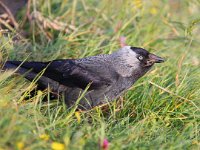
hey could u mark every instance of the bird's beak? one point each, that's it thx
(155, 59)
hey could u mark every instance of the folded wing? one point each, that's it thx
(61, 72)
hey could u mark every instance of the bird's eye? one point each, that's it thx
(140, 57)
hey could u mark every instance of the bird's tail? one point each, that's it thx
(34, 66)
(10, 65)
(21, 68)
(31, 71)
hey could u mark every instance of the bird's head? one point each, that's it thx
(139, 56)
(137, 59)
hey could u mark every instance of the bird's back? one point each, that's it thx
(71, 77)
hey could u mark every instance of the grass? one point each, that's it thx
(161, 111)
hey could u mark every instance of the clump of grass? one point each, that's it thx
(161, 111)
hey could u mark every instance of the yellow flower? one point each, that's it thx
(44, 137)
(153, 11)
(39, 93)
(137, 3)
(195, 142)
(20, 145)
(57, 146)
(78, 117)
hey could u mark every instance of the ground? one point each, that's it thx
(160, 111)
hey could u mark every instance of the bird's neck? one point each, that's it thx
(121, 66)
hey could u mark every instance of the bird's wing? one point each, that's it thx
(65, 72)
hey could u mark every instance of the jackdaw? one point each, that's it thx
(109, 75)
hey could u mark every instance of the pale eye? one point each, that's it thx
(140, 57)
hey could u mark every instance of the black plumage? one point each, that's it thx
(108, 75)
